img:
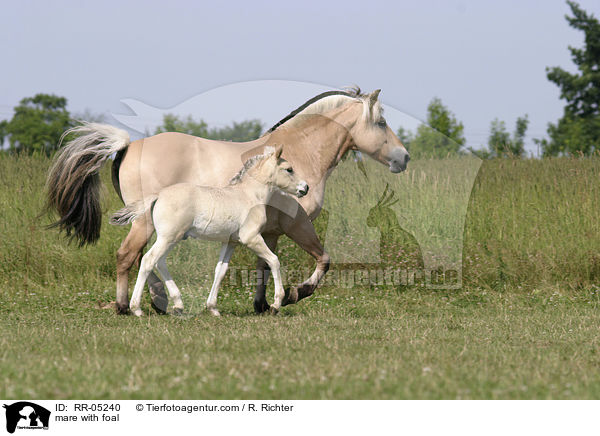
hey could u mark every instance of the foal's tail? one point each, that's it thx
(73, 185)
(129, 213)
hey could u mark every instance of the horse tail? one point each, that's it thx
(73, 184)
(129, 213)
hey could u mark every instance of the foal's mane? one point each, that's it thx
(320, 103)
(268, 151)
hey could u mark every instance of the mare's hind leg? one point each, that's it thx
(262, 272)
(301, 230)
(160, 249)
(129, 253)
(220, 270)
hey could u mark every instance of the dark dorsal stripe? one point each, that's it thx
(353, 93)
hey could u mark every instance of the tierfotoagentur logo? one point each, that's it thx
(25, 415)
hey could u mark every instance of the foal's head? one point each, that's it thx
(275, 171)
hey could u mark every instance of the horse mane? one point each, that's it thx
(320, 103)
(268, 151)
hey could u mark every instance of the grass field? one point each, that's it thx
(524, 325)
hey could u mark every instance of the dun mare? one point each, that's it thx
(236, 213)
(315, 136)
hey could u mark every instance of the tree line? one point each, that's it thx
(39, 121)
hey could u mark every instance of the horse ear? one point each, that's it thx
(278, 151)
(373, 97)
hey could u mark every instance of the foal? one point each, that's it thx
(236, 213)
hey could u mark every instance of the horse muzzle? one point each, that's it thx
(399, 160)
(302, 189)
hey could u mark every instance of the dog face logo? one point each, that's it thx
(26, 415)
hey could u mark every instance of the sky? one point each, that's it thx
(484, 59)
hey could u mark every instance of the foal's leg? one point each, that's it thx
(174, 292)
(262, 272)
(160, 248)
(220, 270)
(301, 230)
(258, 245)
(129, 253)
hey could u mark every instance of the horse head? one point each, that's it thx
(372, 135)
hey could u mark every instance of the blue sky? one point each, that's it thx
(484, 59)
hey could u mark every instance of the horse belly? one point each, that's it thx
(206, 227)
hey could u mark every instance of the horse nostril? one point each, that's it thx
(305, 190)
(406, 158)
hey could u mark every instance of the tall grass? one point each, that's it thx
(514, 223)
(534, 223)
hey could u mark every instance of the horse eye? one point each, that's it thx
(290, 170)
(381, 122)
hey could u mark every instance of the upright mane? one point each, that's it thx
(268, 151)
(320, 103)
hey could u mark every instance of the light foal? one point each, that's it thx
(236, 213)
(315, 136)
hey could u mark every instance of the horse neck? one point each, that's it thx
(319, 141)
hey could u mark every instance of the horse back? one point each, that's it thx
(151, 164)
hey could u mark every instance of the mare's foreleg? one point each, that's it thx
(220, 270)
(301, 230)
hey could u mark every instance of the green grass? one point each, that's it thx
(525, 325)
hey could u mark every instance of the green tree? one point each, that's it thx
(173, 123)
(405, 136)
(88, 115)
(500, 142)
(579, 128)
(3, 125)
(442, 136)
(37, 124)
(239, 132)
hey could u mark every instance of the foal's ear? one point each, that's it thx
(278, 151)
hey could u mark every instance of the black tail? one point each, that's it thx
(73, 186)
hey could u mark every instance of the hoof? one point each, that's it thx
(290, 297)
(177, 311)
(214, 312)
(138, 312)
(122, 309)
(273, 310)
(159, 304)
(261, 306)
